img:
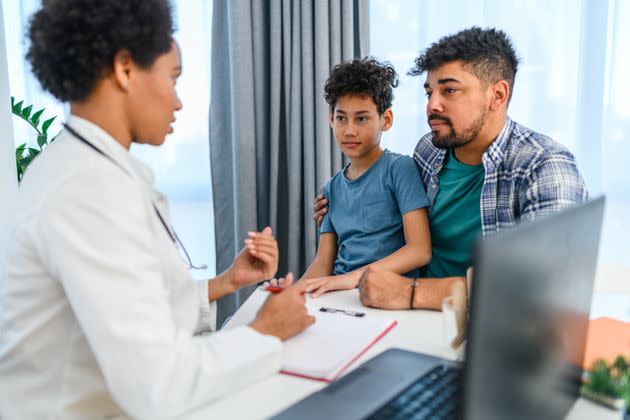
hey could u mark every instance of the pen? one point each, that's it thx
(343, 311)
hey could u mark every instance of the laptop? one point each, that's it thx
(530, 305)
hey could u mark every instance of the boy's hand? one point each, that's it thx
(319, 209)
(320, 285)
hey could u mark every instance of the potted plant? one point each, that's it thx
(609, 384)
(24, 154)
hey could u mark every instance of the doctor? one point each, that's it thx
(99, 316)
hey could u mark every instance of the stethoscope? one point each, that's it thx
(171, 232)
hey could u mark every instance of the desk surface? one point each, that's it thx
(416, 330)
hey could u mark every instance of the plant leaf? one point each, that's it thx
(32, 152)
(17, 108)
(12, 101)
(47, 124)
(35, 117)
(19, 151)
(42, 140)
(26, 112)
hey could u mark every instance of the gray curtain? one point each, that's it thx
(271, 147)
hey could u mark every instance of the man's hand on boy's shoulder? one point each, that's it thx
(319, 209)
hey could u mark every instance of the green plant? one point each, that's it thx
(610, 380)
(24, 154)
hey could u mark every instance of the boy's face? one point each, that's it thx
(357, 125)
(458, 105)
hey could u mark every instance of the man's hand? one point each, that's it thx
(320, 285)
(385, 289)
(257, 261)
(319, 209)
(284, 314)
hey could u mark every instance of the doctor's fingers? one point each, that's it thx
(262, 254)
(262, 245)
(266, 233)
(285, 281)
(262, 239)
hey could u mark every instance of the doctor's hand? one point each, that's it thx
(257, 261)
(284, 314)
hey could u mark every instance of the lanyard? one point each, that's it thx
(170, 232)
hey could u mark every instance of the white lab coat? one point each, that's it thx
(98, 313)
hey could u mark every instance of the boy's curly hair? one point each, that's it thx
(364, 76)
(73, 42)
(486, 53)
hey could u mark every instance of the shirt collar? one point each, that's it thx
(496, 151)
(108, 145)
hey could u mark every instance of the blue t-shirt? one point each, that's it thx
(366, 213)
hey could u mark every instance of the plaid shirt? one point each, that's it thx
(527, 175)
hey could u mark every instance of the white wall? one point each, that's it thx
(8, 176)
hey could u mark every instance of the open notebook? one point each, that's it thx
(327, 348)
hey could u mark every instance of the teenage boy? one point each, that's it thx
(377, 214)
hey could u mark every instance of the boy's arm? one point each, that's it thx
(417, 250)
(322, 265)
(415, 253)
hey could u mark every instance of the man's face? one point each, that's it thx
(457, 106)
(357, 125)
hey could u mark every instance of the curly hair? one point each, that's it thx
(73, 42)
(362, 76)
(486, 53)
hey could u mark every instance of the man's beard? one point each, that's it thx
(454, 139)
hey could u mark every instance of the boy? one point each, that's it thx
(377, 214)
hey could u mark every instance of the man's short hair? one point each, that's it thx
(486, 53)
(73, 42)
(364, 76)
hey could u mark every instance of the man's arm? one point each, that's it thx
(322, 265)
(387, 290)
(552, 185)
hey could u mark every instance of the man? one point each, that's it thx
(481, 170)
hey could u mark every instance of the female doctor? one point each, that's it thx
(99, 316)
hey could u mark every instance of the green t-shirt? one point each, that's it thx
(456, 218)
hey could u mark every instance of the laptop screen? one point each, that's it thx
(531, 297)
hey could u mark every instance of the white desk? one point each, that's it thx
(416, 330)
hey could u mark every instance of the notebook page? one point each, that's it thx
(327, 347)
